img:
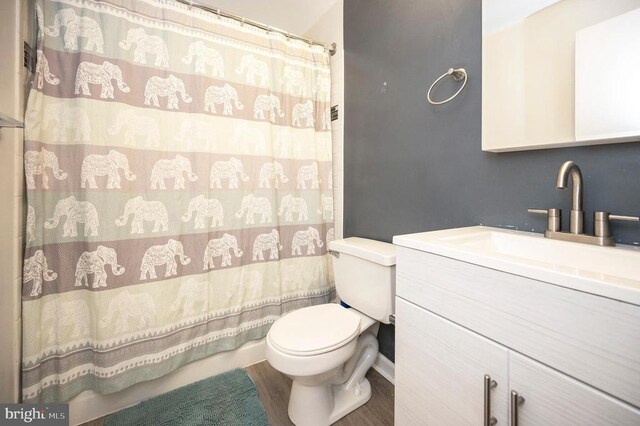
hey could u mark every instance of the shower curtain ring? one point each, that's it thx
(218, 10)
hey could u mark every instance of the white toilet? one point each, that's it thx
(327, 349)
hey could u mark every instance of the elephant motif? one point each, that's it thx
(326, 207)
(40, 21)
(105, 165)
(164, 254)
(94, 262)
(326, 119)
(67, 120)
(269, 103)
(303, 112)
(190, 294)
(227, 170)
(221, 247)
(322, 89)
(102, 74)
(305, 238)
(31, 224)
(253, 205)
(204, 208)
(222, 95)
(306, 173)
(298, 278)
(254, 68)
(331, 235)
(146, 44)
(42, 71)
(271, 242)
(35, 269)
(205, 56)
(293, 205)
(36, 163)
(196, 133)
(250, 285)
(144, 210)
(249, 139)
(135, 124)
(77, 26)
(174, 168)
(165, 87)
(76, 212)
(294, 277)
(293, 81)
(271, 170)
(126, 307)
(64, 317)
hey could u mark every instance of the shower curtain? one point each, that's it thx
(178, 177)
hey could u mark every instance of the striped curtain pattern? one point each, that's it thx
(178, 177)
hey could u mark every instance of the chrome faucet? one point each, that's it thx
(577, 215)
(576, 233)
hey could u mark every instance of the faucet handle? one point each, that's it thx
(601, 222)
(624, 218)
(554, 218)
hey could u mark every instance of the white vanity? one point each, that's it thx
(509, 328)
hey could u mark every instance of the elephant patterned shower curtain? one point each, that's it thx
(178, 178)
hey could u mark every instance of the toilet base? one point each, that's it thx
(347, 400)
(319, 401)
(326, 404)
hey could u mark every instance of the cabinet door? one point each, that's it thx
(552, 398)
(440, 369)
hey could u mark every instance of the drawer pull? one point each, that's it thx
(516, 400)
(489, 420)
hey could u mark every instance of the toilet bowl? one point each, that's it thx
(327, 349)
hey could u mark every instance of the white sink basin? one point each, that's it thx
(607, 271)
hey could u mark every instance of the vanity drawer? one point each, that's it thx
(588, 337)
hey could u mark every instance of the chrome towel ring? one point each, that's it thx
(457, 74)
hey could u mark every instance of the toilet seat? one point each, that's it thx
(314, 330)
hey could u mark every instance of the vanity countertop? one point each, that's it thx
(612, 272)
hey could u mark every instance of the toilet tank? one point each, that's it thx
(365, 275)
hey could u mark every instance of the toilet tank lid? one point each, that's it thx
(371, 250)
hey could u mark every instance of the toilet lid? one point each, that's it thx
(314, 330)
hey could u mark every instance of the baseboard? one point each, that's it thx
(90, 405)
(386, 368)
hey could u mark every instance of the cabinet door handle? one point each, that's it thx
(515, 401)
(489, 420)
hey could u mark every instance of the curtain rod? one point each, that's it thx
(332, 49)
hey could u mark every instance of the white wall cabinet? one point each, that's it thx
(457, 322)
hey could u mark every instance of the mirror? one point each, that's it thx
(559, 73)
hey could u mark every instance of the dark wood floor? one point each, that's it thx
(274, 387)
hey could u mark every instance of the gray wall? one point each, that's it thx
(412, 167)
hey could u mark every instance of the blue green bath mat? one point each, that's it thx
(230, 399)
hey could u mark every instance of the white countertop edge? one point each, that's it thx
(612, 290)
